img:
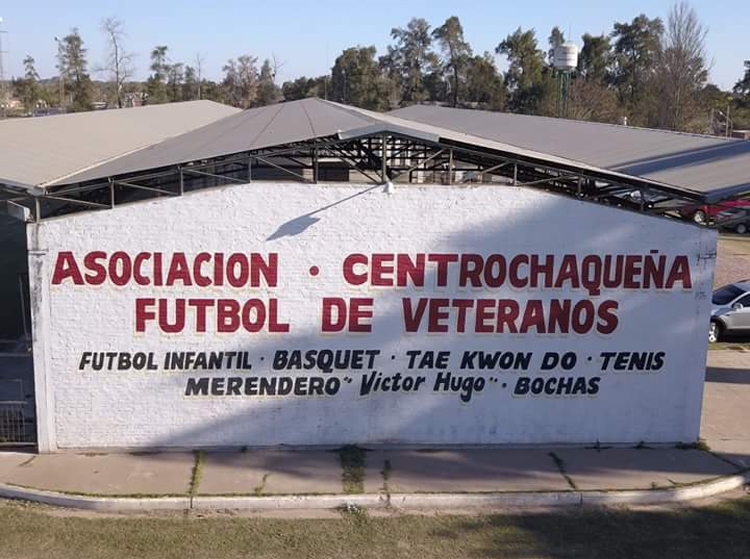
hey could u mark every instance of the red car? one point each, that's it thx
(707, 213)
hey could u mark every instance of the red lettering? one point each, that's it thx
(143, 313)
(413, 317)
(66, 267)
(438, 312)
(200, 306)
(443, 261)
(471, 270)
(200, 259)
(119, 268)
(227, 315)
(179, 320)
(608, 320)
(91, 262)
(139, 278)
(382, 270)
(352, 277)
(179, 270)
(274, 326)
(334, 314)
(235, 278)
(406, 267)
(360, 310)
(248, 322)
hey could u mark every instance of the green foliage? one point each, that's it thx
(636, 49)
(353, 464)
(456, 54)
(357, 80)
(241, 81)
(27, 88)
(156, 86)
(595, 59)
(652, 71)
(73, 67)
(410, 59)
(485, 88)
(526, 78)
(305, 87)
(742, 87)
(268, 92)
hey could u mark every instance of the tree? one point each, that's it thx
(305, 87)
(682, 72)
(241, 81)
(592, 100)
(636, 49)
(356, 80)
(268, 92)
(213, 91)
(742, 87)
(190, 85)
(119, 61)
(410, 59)
(525, 76)
(199, 60)
(595, 61)
(73, 67)
(27, 88)
(555, 39)
(175, 79)
(456, 52)
(484, 88)
(156, 86)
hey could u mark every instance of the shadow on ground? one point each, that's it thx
(722, 531)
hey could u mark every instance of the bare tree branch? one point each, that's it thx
(119, 63)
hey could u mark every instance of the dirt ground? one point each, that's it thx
(733, 259)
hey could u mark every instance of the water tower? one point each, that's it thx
(565, 62)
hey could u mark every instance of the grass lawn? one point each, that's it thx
(720, 531)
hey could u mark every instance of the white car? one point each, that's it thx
(730, 310)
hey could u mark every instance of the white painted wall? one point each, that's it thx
(320, 225)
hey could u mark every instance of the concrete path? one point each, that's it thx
(568, 474)
(276, 472)
(725, 424)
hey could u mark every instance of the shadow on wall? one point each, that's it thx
(484, 239)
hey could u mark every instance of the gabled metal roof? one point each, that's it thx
(303, 121)
(698, 166)
(42, 151)
(716, 167)
(252, 129)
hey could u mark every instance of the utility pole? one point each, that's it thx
(61, 78)
(3, 89)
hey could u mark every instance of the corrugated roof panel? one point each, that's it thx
(251, 129)
(40, 150)
(691, 161)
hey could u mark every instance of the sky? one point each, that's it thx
(306, 36)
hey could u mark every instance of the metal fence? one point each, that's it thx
(13, 428)
(16, 416)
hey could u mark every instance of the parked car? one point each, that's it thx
(734, 219)
(730, 310)
(707, 213)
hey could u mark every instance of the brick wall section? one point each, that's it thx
(318, 225)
